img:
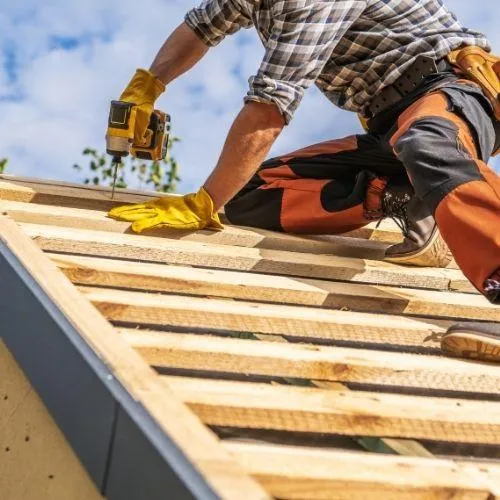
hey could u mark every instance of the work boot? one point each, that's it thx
(423, 244)
(473, 340)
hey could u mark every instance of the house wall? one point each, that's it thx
(36, 462)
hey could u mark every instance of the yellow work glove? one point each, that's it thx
(143, 91)
(192, 211)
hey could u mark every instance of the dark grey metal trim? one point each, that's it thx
(125, 480)
(111, 433)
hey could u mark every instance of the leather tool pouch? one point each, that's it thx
(482, 68)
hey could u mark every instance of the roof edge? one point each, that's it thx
(86, 400)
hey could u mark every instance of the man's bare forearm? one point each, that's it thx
(251, 136)
(182, 50)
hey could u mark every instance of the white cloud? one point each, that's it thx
(71, 58)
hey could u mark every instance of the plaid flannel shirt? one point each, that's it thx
(351, 49)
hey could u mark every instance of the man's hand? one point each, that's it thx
(189, 212)
(181, 51)
(143, 91)
(248, 142)
(250, 139)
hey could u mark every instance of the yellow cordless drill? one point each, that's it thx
(120, 136)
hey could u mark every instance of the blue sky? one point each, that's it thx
(61, 62)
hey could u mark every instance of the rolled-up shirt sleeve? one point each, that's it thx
(302, 40)
(212, 20)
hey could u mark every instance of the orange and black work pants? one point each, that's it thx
(439, 143)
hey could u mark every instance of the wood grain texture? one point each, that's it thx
(313, 362)
(49, 192)
(297, 409)
(36, 461)
(298, 473)
(66, 194)
(270, 319)
(154, 249)
(238, 260)
(232, 235)
(278, 289)
(183, 427)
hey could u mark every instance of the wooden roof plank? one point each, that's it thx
(154, 249)
(25, 189)
(181, 425)
(278, 289)
(232, 235)
(317, 474)
(66, 194)
(336, 364)
(354, 413)
(291, 321)
(220, 354)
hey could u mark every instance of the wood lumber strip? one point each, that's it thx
(277, 289)
(316, 474)
(354, 413)
(292, 321)
(198, 444)
(408, 447)
(51, 215)
(338, 364)
(23, 189)
(57, 193)
(154, 249)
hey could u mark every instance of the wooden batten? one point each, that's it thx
(354, 413)
(155, 249)
(217, 348)
(200, 446)
(291, 321)
(278, 289)
(56, 193)
(338, 364)
(297, 473)
(97, 220)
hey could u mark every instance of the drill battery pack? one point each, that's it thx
(156, 147)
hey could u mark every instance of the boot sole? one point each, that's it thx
(471, 345)
(434, 254)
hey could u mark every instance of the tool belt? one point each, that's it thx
(481, 67)
(389, 96)
(473, 63)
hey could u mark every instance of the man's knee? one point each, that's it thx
(436, 159)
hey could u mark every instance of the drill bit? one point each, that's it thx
(116, 164)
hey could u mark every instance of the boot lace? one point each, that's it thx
(395, 206)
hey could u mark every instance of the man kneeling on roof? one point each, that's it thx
(426, 89)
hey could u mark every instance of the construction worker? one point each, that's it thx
(427, 90)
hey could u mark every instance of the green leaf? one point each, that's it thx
(3, 165)
(161, 175)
